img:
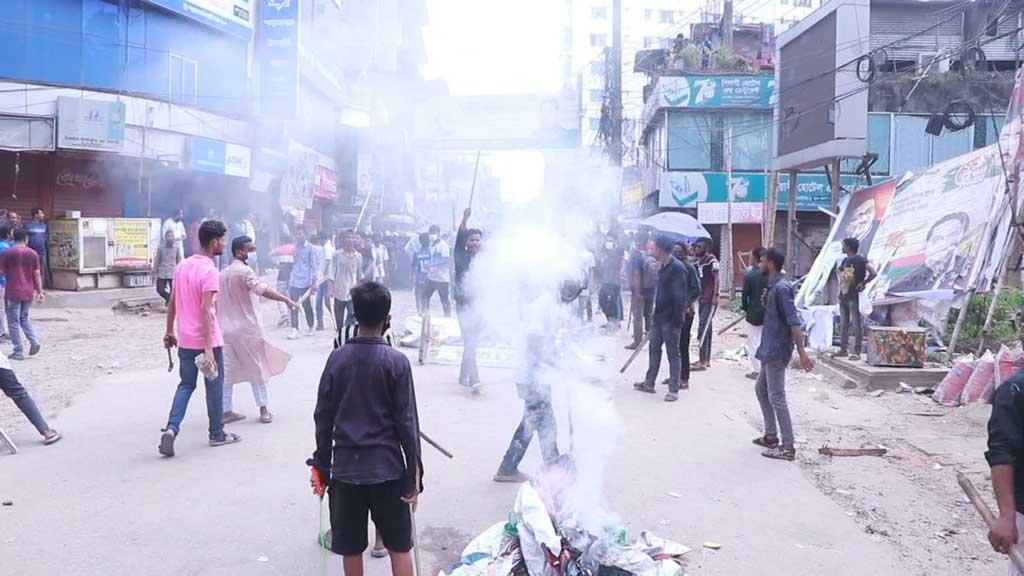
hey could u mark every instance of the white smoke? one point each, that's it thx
(514, 286)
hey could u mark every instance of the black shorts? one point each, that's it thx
(350, 504)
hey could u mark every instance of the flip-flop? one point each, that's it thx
(229, 438)
(266, 418)
(379, 553)
(763, 442)
(52, 439)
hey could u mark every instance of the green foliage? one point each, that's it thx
(1004, 329)
(726, 60)
(690, 55)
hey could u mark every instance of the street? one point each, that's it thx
(103, 501)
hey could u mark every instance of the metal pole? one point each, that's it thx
(727, 247)
(959, 324)
(615, 84)
(834, 192)
(791, 227)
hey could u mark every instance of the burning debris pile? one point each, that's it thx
(544, 537)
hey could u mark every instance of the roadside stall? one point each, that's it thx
(102, 253)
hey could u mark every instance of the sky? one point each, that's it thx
(498, 47)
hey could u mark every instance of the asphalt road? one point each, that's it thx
(103, 502)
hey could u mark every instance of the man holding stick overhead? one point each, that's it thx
(467, 246)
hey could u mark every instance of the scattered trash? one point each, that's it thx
(877, 393)
(842, 492)
(263, 559)
(812, 389)
(904, 387)
(937, 467)
(674, 494)
(946, 533)
(924, 390)
(827, 451)
(712, 545)
(7, 503)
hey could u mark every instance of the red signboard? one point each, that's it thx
(325, 186)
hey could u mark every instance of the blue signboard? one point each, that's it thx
(207, 155)
(715, 91)
(686, 189)
(279, 58)
(231, 16)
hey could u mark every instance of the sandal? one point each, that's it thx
(379, 553)
(780, 453)
(52, 438)
(230, 417)
(766, 441)
(643, 387)
(229, 438)
(266, 418)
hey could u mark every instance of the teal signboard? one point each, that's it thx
(715, 91)
(686, 189)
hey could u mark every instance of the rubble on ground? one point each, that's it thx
(543, 536)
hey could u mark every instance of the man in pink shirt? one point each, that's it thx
(199, 340)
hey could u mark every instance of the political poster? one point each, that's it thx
(861, 215)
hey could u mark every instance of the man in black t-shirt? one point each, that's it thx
(854, 273)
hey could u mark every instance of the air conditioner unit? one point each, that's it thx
(932, 62)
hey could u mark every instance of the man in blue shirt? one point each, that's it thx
(781, 331)
(36, 229)
(302, 281)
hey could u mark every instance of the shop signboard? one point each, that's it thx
(131, 243)
(217, 157)
(231, 16)
(325, 185)
(718, 212)
(90, 124)
(687, 189)
(307, 170)
(278, 52)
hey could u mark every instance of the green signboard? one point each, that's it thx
(715, 91)
(685, 189)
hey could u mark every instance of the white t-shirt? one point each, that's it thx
(176, 228)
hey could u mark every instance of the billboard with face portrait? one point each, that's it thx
(935, 236)
(860, 216)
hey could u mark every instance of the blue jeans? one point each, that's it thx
(17, 317)
(663, 334)
(214, 392)
(321, 302)
(15, 391)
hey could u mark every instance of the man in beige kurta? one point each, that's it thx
(248, 355)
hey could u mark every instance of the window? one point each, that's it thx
(599, 12)
(664, 43)
(599, 40)
(802, 3)
(668, 16)
(597, 95)
(751, 139)
(985, 132)
(182, 79)
(878, 142)
(951, 144)
(691, 138)
(648, 14)
(648, 41)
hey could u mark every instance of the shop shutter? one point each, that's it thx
(94, 188)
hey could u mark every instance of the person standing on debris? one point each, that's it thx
(167, 259)
(1005, 457)
(669, 312)
(467, 246)
(20, 264)
(302, 282)
(783, 328)
(855, 272)
(643, 279)
(37, 229)
(610, 270)
(199, 341)
(707, 270)
(13, 389)
(754, 285)
(175, 225)
(346, 271)
(368, 456)
(248, 355)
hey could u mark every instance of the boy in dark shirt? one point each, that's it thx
(367, 438)
(854, 273)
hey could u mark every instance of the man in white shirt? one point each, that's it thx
(175, 226)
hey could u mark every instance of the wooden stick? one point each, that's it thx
(433, 443)
(472, 188)
(986, 515)
(731, 324)
(639, 348)
(827, 451)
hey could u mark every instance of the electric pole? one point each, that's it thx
(727, 24)
(615, 84)
(727, 249)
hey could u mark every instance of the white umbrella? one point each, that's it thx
(676, 224)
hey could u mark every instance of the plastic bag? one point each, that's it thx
(488, 545)
(952, 385)
(660, 548)
(981, 379)
(1010, 360)
(629, 558)
(536, 532)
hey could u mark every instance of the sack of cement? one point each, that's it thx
(536, 532)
